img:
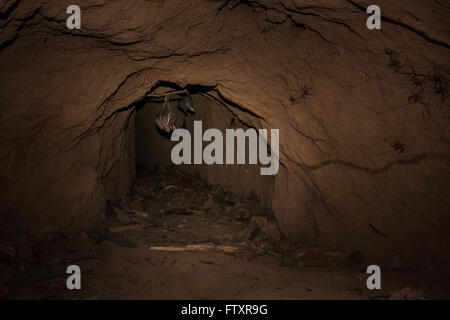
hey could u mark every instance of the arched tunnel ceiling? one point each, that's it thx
(363, 114)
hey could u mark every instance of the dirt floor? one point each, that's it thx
(175, 237)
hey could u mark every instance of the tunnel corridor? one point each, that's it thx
(224, 149)
(196, 233)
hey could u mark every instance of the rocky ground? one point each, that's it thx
(174, 237)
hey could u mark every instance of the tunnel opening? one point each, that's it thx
(208, 206)
(188, 206)
(153, 148)
(213, 214)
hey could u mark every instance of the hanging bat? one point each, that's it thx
(186, 104)
(164, 120)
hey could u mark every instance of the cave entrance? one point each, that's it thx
(153, 147)
(205, 208)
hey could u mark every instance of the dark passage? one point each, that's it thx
(193, 232)
(360, 113)
(154, 148)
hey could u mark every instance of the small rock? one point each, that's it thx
(268, 227)
(251, 232)
(122, 217)
(243, 213)
(211, 205)
(140, 213)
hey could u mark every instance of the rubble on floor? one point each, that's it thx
(167, 211)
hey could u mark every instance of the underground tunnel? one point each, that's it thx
(352, 124)
(154, 148)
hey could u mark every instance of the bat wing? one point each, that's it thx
(190, 103)
(186, 104)
(164, 120)
(182, 105)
